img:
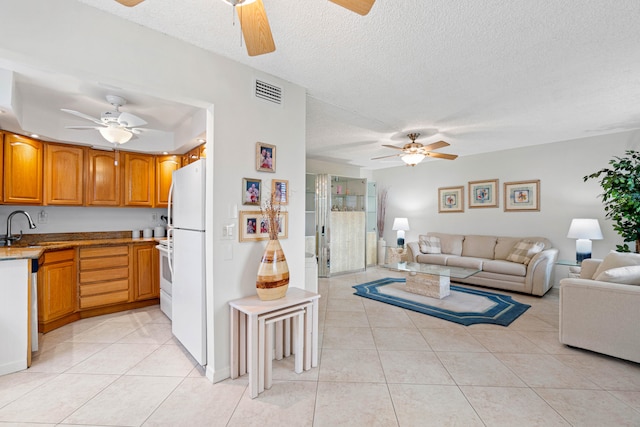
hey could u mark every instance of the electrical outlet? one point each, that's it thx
(154, 217)
(43, 217)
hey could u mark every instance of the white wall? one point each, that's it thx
(69, 38)
(413, 192)
(63, 219)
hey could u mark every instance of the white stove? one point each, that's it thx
(166, 277)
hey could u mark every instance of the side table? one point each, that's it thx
(395, 255)
(574, 267)
(250, 333)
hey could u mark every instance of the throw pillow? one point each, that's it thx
(616, 259)
(430, 245)
(523, 251)
(629, 275)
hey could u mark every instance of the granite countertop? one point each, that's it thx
(34, 249)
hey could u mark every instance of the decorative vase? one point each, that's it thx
(382, 247)
(273, 274)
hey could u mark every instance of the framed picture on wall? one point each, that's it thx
(522, 196)
(280, 191)
(451, 199)
(483, 194)
(251, 191)
(255, 227)
(265, 157)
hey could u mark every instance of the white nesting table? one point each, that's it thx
(248, 319)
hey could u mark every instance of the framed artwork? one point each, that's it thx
(265, 157)
(483, 194)
(522, 196)
(251, 191)
(254, 227)
(451, 199)
(280, 191)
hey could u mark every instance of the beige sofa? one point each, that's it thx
(600, 316)
(489, 254)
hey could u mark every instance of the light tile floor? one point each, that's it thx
(379, 366)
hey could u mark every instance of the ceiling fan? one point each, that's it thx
(414, 152)
(255, 25)
(114, 126)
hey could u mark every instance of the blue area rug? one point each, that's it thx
(464, 306)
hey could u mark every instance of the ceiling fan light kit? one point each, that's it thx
(115, 135)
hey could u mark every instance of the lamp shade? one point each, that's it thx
(584, 228)
(400, 224)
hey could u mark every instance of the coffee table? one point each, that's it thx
(429, 279)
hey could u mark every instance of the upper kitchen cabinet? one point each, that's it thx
(103, 183)
(1, 164)
(165, 165)
(200, 152)
(22, 170)
(63, 175)
(138, 179)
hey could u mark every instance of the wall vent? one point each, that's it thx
(268, 92)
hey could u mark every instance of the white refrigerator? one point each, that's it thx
(187, 239)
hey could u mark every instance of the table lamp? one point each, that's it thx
(400, 225)
(584, 230)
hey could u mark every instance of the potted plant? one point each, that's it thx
(382, 211)
(621, 196)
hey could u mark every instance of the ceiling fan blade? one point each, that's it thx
(255, 28)
(129, 120)
(361, 7)
(384, 157)
(435, 145)
(129, 3)
(82, 127)
(442, 155)
(82, 115)
(392, 146)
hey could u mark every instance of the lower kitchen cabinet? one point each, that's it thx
(103, 276)
(146, 280)
(56, 288)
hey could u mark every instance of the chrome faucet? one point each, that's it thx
(11, 238)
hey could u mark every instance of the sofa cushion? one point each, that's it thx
(479, 246)
(504, 246)
(616, 259)
(449, 243)
(629, 275)
(504, 267)
(523, 251)
(465, 262)
(430, 245)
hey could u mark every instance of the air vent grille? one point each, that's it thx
(268, 92)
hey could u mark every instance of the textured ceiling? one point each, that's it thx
(483, 76)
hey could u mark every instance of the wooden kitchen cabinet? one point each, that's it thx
(56, 289)
(63, 175)
(165, 165)
(1, 166)
(138, 179)
(103, 276)
(22, 170)
(146, 280)
(103, 182)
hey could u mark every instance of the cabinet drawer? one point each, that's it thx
(104, 275)
(104, 287)
(104, 251)
(59, 256)
(102, 263)
(104, 299)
